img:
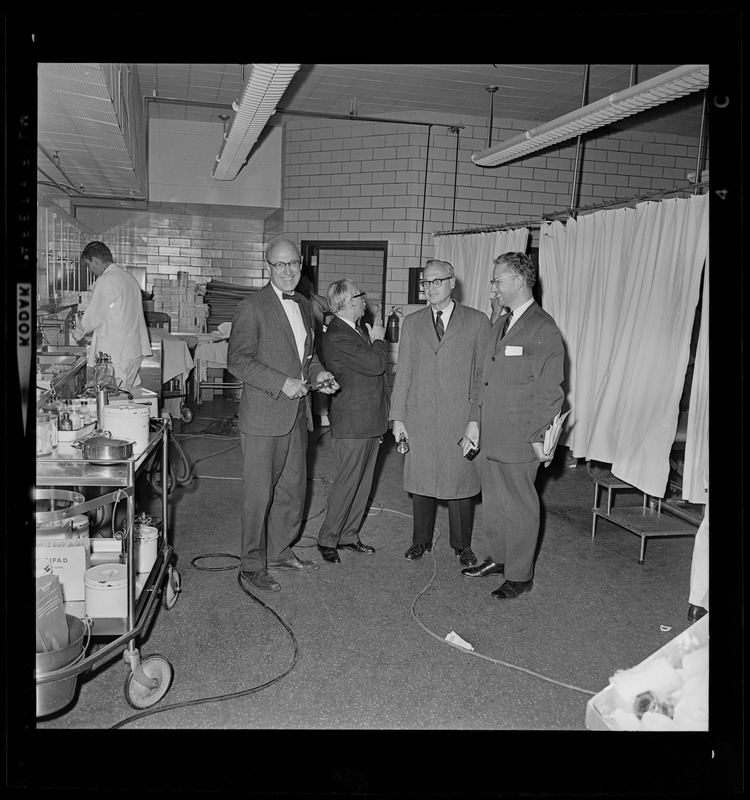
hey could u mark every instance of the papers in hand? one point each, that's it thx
(552, 434)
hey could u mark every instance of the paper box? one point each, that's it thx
(68, 559)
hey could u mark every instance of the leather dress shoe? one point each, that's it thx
(489, 567)
(329, 554)
(259, 579)
(358, 547)
(511, 589)
(696, 612)
(465, 556)
(295, 564)
(417, 551)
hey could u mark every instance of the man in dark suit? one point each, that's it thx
(519, 396)
(358, 416)
(272, 350)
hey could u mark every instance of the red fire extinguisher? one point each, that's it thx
(391, 332)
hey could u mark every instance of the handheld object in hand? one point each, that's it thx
(471, 453)
(326, 384)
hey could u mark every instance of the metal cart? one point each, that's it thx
(149, 678)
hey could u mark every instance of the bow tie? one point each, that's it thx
(290, 296)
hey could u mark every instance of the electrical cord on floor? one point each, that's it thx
(253, 690)
(229, 695)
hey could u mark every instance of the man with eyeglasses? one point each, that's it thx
(272, 351)
(358, 416)
(520, 394)
(440, 356)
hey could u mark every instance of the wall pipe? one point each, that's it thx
(576, 167)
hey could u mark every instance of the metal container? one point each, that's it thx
(55, 695)
(44, 433)
(103, 448)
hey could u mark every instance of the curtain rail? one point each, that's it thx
(571, 212)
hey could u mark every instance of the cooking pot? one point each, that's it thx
(101, 448)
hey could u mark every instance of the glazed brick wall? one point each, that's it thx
(363, 267)
(365, 180)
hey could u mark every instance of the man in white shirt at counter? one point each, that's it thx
(114, 316)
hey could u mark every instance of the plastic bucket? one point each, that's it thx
(55, 695)
(106, 587)
(146, 545)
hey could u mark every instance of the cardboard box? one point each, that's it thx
(68, 559)
(601, 707)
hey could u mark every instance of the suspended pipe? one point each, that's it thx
(357, 118)
(424, 195)
(56, 163)
(455, 175)
(491, 90)
(576, 168)
(701, 143)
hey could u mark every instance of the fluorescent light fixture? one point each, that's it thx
(661, 89)
(264, 88)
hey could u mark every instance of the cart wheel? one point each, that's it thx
(139, 696)
(186, 415)
(172, 588)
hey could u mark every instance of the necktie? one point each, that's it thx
(506, 325)
(290, 296)
(439, 327)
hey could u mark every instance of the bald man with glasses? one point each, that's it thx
(272, 351)
(440, 357)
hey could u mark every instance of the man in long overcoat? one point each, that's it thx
(440, 358)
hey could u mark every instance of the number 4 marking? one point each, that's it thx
(722, 193)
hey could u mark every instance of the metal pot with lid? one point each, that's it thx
(102, 447)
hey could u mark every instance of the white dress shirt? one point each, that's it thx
(517, 313)
(447, 311)
(294, 315)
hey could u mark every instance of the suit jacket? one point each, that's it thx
(433, 394)
(520, 394)
(263, 353)
(360, 409)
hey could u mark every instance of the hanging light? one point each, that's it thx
(661, 89)
(264, 88)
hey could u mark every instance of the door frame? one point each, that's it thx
(311, 248)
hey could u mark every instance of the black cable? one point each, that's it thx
(229, 695)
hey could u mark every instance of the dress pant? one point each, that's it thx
(274, 488)
(510, 506)
(459, 520)
(347, 501)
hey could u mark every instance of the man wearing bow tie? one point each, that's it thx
(272, 351)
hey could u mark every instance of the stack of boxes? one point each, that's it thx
(182, 299)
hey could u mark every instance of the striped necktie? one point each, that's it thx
(506, 325)
(439, 327)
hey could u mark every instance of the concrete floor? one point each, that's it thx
(371, 654)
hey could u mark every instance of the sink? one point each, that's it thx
(63, 359)
(63, 349)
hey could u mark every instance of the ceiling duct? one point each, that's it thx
(263, 90)
(661, 89)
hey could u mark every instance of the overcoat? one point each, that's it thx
(262, 353)
(435, 387)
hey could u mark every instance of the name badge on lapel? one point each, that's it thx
(513, 350)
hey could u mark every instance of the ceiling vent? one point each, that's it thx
(263, 90)
(661, 89)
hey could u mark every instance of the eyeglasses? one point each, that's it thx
(361, 294)
(293, 264)
(436, 283)
(496, 281)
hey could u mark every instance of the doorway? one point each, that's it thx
(364, 262)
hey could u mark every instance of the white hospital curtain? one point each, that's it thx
(583, 299)
(471, 255)
(623, 287)
(695, 470)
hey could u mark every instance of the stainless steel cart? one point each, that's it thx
(149, 678)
